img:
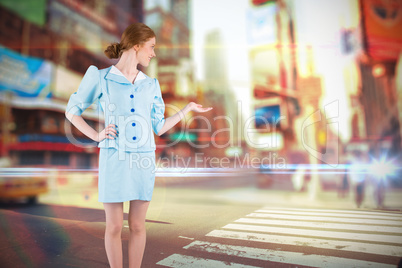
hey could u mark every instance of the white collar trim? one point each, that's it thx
(140, 75)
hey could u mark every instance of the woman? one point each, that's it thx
(133, 105)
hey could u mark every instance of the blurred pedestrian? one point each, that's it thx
(379, 191)
(132, 104)
(344, 185)
(357, 173)
(344, 182)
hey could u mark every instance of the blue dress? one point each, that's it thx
(126, 163)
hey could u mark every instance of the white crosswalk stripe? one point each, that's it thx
(342, 212)
(325, 219)
(290, 235)
(387, 250)
(279, 256)
(184, 261)
(325, 225)
(315, 233)
(325, 214)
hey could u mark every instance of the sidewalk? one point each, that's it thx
(323, 199)
(392, 202)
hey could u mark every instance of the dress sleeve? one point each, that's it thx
(158, 109)
(87, 93)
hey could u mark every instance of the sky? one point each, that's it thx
(228, 16)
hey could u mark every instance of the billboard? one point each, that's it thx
(24, 76)
(262, 25)
(383, 28)
(32, 11)
(268, 114)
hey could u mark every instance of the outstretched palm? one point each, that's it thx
(198, 108)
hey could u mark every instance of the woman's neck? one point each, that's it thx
(127, 63)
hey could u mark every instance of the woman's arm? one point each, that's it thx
(174, 119)
(108, 133)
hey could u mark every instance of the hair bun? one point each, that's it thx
(113, 51)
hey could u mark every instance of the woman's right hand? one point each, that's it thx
(110, 132)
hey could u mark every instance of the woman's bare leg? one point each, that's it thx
(136, 222)
(114, 225)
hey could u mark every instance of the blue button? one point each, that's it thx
(134, 138)
(131, 96)
(133, 124)
(132, 110)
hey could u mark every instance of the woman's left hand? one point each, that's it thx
(192, 106)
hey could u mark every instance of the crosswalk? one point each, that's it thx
(298, 237)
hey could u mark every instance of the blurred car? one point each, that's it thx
(21, 183)
(294, 174)
(296, 177)
(23, 187)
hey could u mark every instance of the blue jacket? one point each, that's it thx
(134, 108)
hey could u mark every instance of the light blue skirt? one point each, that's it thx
(125, 176)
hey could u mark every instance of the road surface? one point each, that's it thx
(206, 223)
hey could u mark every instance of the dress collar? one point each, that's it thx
(117, 76)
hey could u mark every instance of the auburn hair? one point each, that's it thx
(135, 34)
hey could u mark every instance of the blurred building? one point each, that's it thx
(355, 57)
(331, 74)
(273, 68)
(381, 30)
(328, 78)
(174, 69)
(218, 94)
(216, 78)
(45, 48)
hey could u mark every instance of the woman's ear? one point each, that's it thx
(136, 47)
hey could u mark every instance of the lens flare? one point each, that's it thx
(382, 168)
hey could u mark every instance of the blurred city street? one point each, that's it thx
(208, 222)
(281, 142)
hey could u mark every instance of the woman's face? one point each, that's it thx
(146, 52)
